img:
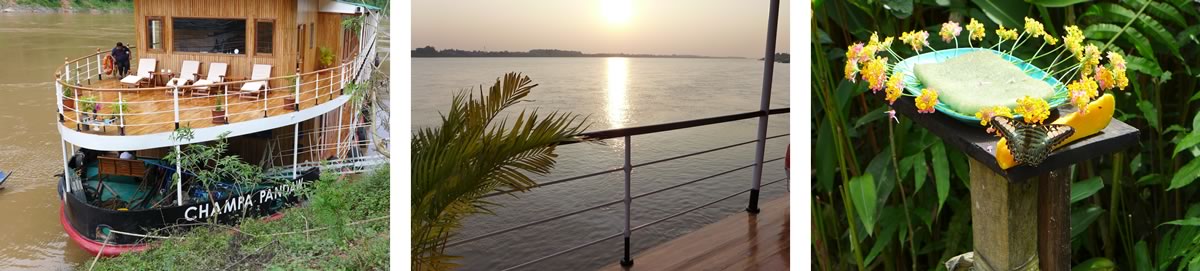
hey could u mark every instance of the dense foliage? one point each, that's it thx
(1137, 209)
(342, 227)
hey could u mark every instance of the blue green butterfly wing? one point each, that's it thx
(1031, 143)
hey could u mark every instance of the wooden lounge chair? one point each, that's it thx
(145, 72)
(258, 85)
(187, 74)
(216, 74)
(113, 166)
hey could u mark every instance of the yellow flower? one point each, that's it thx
(976, 30)
(916, 39)
(875, 72)
(985, 114)
(1091, 59)
(895, 86)
(1034, 28)
(1006, 34)
(1118, 69)
(1082, 91)
(1104, 78)
(927, 100)
(1034, 109)
(887, 42)
(1050, 39)
(1080, 100)
(851, 69)
(1074, 41)
(855, 53)
(950, 30)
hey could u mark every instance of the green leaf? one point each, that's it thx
(1081, 219)
(901, 8)
(1109, 12)
(1107, 31)
(1095, 264)
(1056, 3)
(1008, 13)
(1188, 142)
(920, 171)
(887, 229)
(941, 173)
(1145, 66)
(1085, 189)
(825, 168)
(1160, 10)
(1191, 221)
(1149, 112)
(874, 115)
(1141, 256)
(862, 194)
(1186, 175)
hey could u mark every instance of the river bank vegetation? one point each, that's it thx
(342, 226)
(1133, 210)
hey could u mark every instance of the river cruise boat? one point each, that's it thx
(279, 81)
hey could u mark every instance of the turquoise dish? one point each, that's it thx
(913, 86)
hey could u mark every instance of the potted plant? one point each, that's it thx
(68, 98)
(290, 100)
(218, 113)
(324, 57)
(119, 110)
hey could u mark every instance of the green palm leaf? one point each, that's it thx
(472, 154)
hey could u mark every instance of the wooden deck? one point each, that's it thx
(739, 242)
(145, 117)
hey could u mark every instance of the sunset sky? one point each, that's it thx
(697, 27)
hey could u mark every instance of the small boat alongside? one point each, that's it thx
(4, 178)
(274, 89)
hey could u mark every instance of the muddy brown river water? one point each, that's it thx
(31, 47)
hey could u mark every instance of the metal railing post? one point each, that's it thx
(99, 66)
(764, 105)
(121, 111)
(58, 94)
(225, 97)
(627, 261)
(66, 169)
(175, 93)
(295, 149)
(296, 104)
(178, 174)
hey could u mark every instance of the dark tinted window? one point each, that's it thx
(264, 40)
(221, 36)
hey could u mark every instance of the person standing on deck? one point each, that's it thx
(120, 55)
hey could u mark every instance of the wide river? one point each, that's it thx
(615, 93)
(33, 46)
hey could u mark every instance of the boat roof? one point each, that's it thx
(345, 7)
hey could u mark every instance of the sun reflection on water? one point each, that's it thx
(617, 102)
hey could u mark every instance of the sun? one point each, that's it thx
(617, 12)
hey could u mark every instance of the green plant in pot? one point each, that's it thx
(120, 109)
(324, 57)
(218, 113)
(68, 99)
(290, 100)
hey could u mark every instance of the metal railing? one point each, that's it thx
(143, 111)
(625, 134)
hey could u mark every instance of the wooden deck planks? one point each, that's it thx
(196, 112)
(737, 242)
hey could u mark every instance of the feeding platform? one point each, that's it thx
(1005, 200)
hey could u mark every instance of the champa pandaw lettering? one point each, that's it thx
(243, 202)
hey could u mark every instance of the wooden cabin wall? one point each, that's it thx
(329, 34)
(283, 12)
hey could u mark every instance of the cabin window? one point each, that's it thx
(154, 33)
(217, 36)
(264, 37)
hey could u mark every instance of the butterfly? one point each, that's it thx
(1031, 143)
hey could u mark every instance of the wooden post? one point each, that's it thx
(1002, 214)
(1054, 233)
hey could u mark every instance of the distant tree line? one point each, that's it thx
(782, 58)
(430, 51)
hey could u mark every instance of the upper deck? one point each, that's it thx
(303, 51)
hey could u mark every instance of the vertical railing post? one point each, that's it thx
(296, 104)
(100, 65)
(338, 148)
(266, 96)
(66, 169)
(121, 112)
(175, 94)
(295, 149)
(627, 261)
(58, 94)
(764, 105)
(178, 171)
(225, 97)
(317, 90)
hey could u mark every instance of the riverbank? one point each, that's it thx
(343, 226)
(73, 6)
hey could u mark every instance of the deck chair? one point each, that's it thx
(258, 84)
(216, 74)
(144, 73)
(187, 74)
